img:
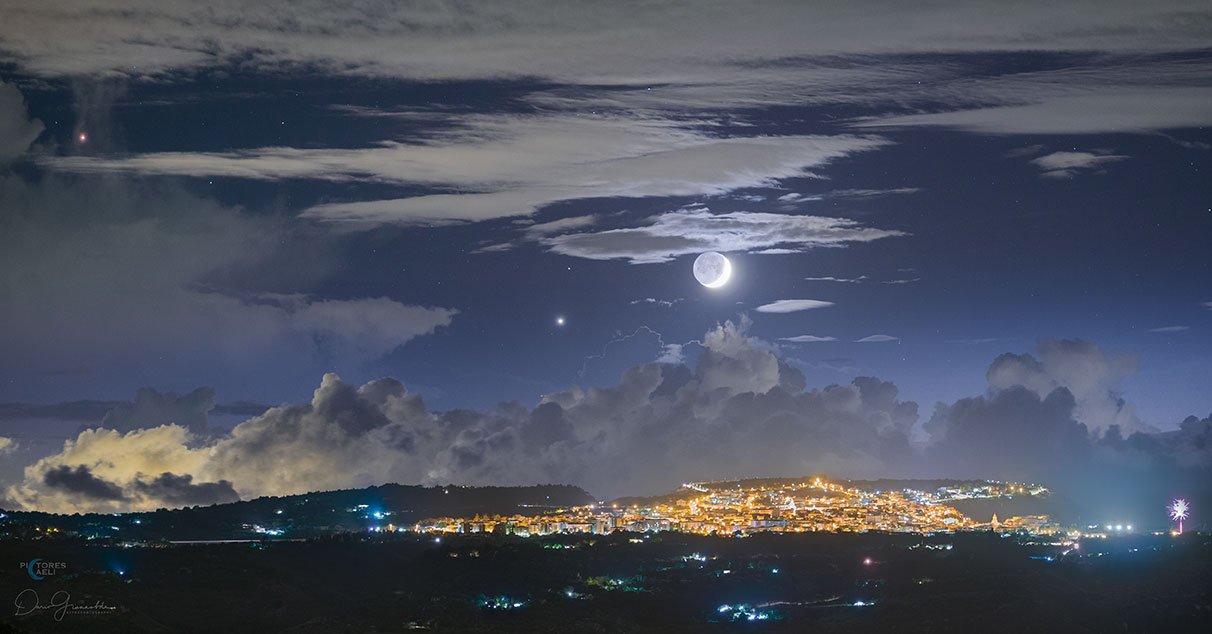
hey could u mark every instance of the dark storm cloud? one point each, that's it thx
(1089, 373)
(110, 268)
(81, 482)
(241, 408)
(17, 129)
(152, 409)
(1012, 434)
(179, 490)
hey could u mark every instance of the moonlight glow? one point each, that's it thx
(712, 269)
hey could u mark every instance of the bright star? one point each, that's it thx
(560, 320)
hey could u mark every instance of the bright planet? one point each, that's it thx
(712, 269)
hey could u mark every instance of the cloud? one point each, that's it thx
(862, 279)
(807, 339)
(794, 198)
(637, 63)
(739, 411)
(83, 410)
(872, 193)
(877, 339)
(847, 280)
(149, 409)
(367, 326)
(1102, 111)
(692, 231)
(1014, 433)
(111, 271)
(576, 41)
(665, 303)
(1090, 374)
(1068, 164)
(152, 409)
(179, 490)
(1170, 329)
(492, 166)
(792, 305)
(561, 225)
(17, 129)
(735, 402)
(81, 482)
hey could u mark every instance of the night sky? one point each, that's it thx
(474, 214)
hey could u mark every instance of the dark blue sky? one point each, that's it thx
(996, 257)
(249, 198)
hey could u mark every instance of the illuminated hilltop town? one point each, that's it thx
(782, 506)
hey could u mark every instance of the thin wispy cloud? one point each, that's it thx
(1170, 329)
(877, 339)
(509, 165)
(807, 339)
(862, 279)
(845, 280)
(664, 303)
(792, 305)
(776, 251)
(1107, 111)
(872, 193)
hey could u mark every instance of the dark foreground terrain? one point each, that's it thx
(975, 582)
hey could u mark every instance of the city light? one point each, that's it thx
(729, 508)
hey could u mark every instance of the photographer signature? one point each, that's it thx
(28, 602)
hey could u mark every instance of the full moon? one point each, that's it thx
(712, 269)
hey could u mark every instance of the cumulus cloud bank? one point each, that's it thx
(740, 411)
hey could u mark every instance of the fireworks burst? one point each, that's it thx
(1178, 512)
